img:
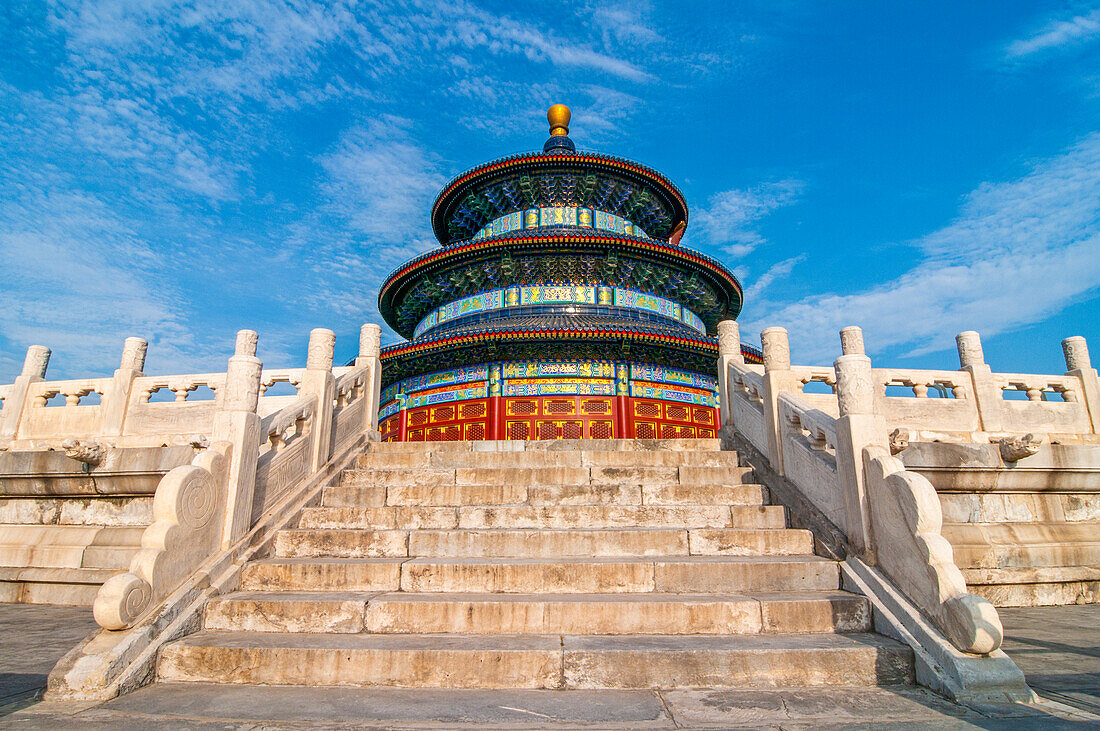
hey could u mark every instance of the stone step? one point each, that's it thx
(556, 516)
(61, 586)
(322, 574)
(578, 614)
(535, 543)
(537, 661)
(556, 475)
(553, 445)
(457, 495)
(687, 574)
(69, 546)
(588, 458)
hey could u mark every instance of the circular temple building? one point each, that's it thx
(560, 306)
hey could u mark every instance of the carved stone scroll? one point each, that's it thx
(906, 520)
(187, 522)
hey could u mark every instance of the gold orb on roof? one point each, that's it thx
(558, 117)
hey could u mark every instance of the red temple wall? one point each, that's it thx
(551, 417)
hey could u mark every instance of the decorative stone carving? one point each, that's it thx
(851, 341)
(1076, 351)
(133, 354)
(899, 441)
(776, 348)
(187, 519)
(729, 339)
(322, 345)
(1013, 449)
(969, 344)
(906, 520)
(36, 362)
(855, 390)
(90, 453)
(370, 340)
(242, 378)
(246, 342)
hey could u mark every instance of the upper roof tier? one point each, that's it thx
(559, 177)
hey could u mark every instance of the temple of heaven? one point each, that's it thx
(559, 306)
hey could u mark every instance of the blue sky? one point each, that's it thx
(181, 170)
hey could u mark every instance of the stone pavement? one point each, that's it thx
(32, 638)
(1057, 647)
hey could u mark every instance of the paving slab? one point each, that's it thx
(208, 706)
(1058, 650)
(32, 638)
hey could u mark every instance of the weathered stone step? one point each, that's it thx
(587, 458)
(537, 661)
(543, 542)
(553, 445)
(457, 495)
(556, 516)
(69, 546)
(603, 614)
(62, 586)
(686, 574)
(322, 574)
(555, 475)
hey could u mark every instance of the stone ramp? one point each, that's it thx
(620, 564)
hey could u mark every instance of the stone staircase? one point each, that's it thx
(584, 564)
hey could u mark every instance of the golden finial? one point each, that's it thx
(558, 117)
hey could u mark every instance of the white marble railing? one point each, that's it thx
(835, 449)
(254, 450)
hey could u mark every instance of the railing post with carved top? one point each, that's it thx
(116, 401)
(370, 347)
(857, 427)
(34, 370)
(987, 397)
(237, 422)
(319, 384)
(777, 379)
(729, 351)
(1078, 364)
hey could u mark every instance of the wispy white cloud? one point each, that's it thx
(730, 218)
(776, 272)
(1018, 252)
(1057, 34)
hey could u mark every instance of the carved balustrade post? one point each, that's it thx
(370, 348)
(319, 384)
(858, 426)
(729, 351)
(777, 379)
(237, 422)
(116, 401)
(987, 397)
(851, 341)
(34, 370)
(1079, 364)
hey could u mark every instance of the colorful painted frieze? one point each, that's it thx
(466, 374)
(537, 369)
(493, 300)
(662, 374)
(446, 395)
(640, 389)
(692, 320)
(557, 294)
(558, 387)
